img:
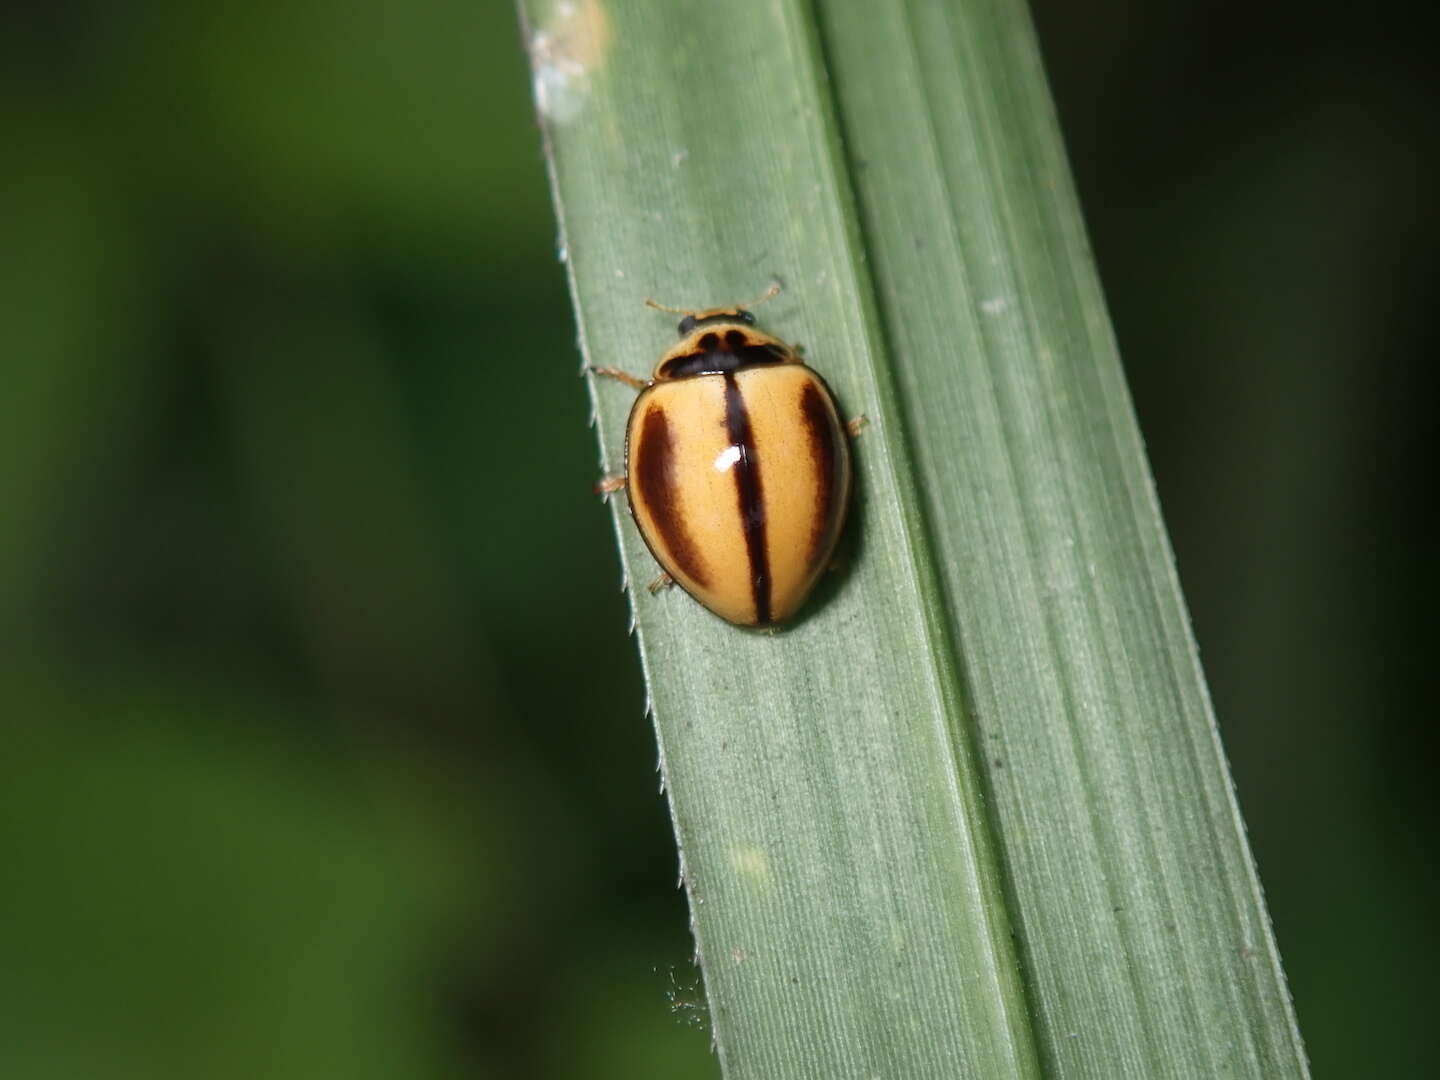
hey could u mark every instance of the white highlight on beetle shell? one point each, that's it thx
(563, 52)
(726, 459)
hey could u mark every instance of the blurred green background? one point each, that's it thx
(322, 746)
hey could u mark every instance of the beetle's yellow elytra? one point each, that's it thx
(738, 469)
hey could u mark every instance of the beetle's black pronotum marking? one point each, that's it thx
(718, 361)
(751, 495)
(714, 357)
(821, 432)
(654, 469)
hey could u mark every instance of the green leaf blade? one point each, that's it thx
(995, 718)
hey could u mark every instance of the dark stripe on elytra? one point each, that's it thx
(751, 495)
(655, 475)
(816, 411)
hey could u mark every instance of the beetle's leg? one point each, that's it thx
(664, 581)
(622, 376)
(609, 484)
(857, 425)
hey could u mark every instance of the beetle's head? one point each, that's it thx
(718, 315)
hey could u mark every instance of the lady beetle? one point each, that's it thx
(737, 467)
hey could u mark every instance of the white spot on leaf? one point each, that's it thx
(752, 863)
(564, 53)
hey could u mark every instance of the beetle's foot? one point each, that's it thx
(664, 581)
(857, 425)
(609, 485)
(620, 376)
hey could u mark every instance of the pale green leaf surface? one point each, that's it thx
(855, 868)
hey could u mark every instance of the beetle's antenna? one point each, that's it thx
(666, 307)
(776, 286)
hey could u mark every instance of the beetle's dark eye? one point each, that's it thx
(735, 338)
(687, 324)
(745, 316)
(709, 341)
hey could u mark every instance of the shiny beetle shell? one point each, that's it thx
(738, 469)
